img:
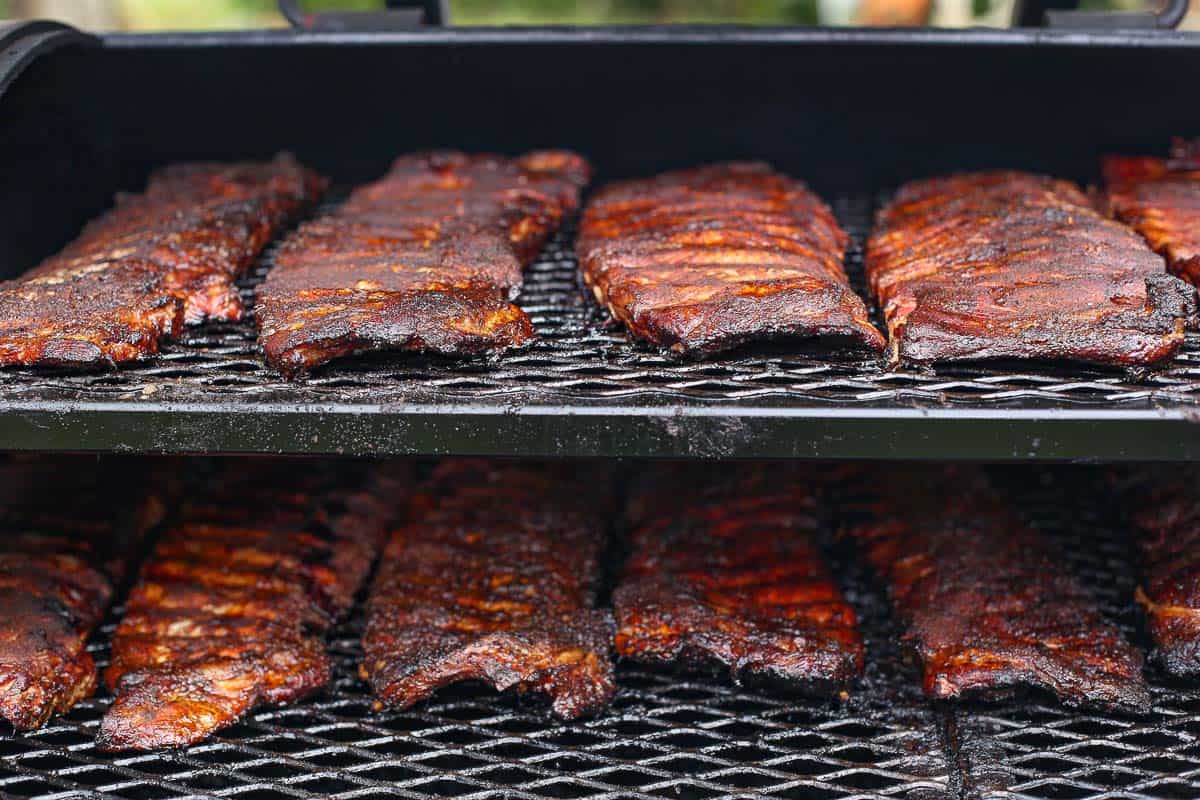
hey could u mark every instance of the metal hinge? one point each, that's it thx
(395, 15)
(1063, 14)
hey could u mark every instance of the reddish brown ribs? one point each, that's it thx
(1165, 510)
(496, 580)
(71, 529)
(1160, 198)
(725, 571)
(230, 610)
(1012, 265)
(428, 258)
(157, 260)
(988, 603)
(706, 259)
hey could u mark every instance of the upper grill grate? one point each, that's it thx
(583, 389)
(578, 355)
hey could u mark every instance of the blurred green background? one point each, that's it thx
(141, 15)
(151, 14)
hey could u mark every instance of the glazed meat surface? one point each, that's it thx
(71, 527)
(428, 258)
(1160, 199)
(230, 610)
(706, 259)
(1165, 510)
(726, 571)
(987, 603)
(156, 261)
(495, 580)
(1012, 265)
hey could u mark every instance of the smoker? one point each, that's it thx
(852, 112)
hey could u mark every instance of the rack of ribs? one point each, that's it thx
(71, 530)
(427, 259)
(726, 571)
(156, 261)
(1160, 199)
(1012, 265)
(1165, 510)
(230, 609)
(496, 580)
(986, 602)
(706, 259)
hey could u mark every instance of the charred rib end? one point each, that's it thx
(29, 700)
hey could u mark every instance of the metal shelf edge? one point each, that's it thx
(668, 431)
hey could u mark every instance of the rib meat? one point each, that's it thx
(1012, 265)
(987, 604)
(706, 259)
(495, 581)
(71, 528)
(158, 259)
(229, 611)
(727, 572)
(1160, 199)
(428, 258)
(1165, 510)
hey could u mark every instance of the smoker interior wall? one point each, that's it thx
(81, 123)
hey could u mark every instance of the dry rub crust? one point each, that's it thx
(1165, 511)
(706, 259)
(987, 604)
(71, 528)
(727, 572)
(495, 581)
(428, 258)
(154, 262)
(1013, 265)
(1160, 199)
(230, 610)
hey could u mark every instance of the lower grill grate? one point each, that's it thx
(677, 737)
(1040, 750)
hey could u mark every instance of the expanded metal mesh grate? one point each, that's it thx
(666, 736)
(578, 356)
(669, 736)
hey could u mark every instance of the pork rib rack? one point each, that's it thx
(495, 579)
(726, 571)
(706, 259)
(231, 607)
(156, 261)
(1009, 265)
(428, 258)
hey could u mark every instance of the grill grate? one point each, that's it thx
(665, 737)
(674, 737)
(578, 356)
(582, 389)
